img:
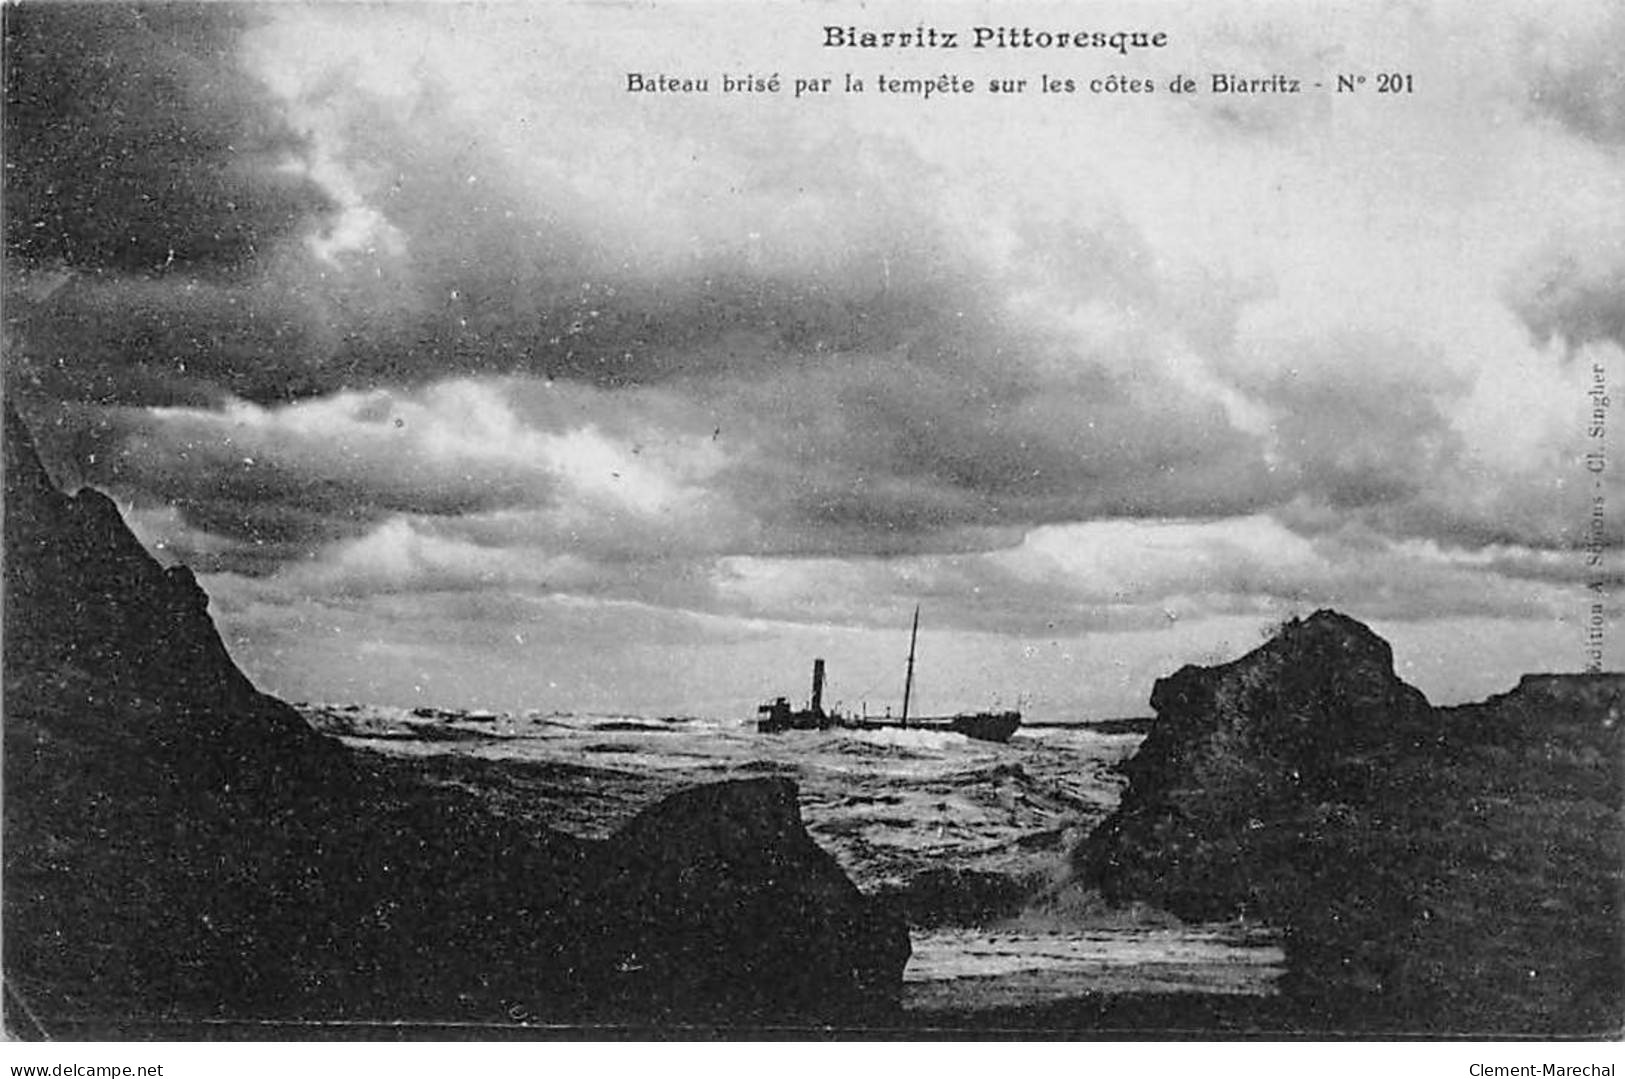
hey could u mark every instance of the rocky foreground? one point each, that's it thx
(180, 848)
(1453, 870)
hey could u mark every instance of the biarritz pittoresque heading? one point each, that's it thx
(993, 37)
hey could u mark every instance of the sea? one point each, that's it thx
(891, 806)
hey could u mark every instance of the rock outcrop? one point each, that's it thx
(179, 846)
(93, 622)
(718, 895)
(1432, 869)
(1249, 761)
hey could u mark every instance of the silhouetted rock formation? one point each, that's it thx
(718, 894)
(92, 621)
(1249, 756)
(1450, 869)
(179, 845)
(1568, 698)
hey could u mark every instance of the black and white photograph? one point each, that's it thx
(814, 521)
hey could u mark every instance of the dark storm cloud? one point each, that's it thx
(1527, 527)
(624, 343)
(167, 340)
(1574, 300)
(884, 452)
(179, 199)
(147, 192)
(134, 144)
(1359, 421)
(284, 493)
(1579, 81)
(509, 264)
(877, 391)
(454, 471)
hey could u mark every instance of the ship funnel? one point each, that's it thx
(818, 687)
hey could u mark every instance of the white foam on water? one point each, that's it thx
(970, 968)
(909, 739)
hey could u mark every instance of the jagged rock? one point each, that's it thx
(1431, 869)
(179, 845)
(717, 901)
(93, 622)
(1248, 761)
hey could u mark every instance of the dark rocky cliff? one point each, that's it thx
(179, 846)
(93, 622)
(1432, 869)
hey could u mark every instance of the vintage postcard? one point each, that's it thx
(839, 520)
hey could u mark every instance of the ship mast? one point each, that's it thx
(908, 683)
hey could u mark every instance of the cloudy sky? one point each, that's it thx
(464, 376)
